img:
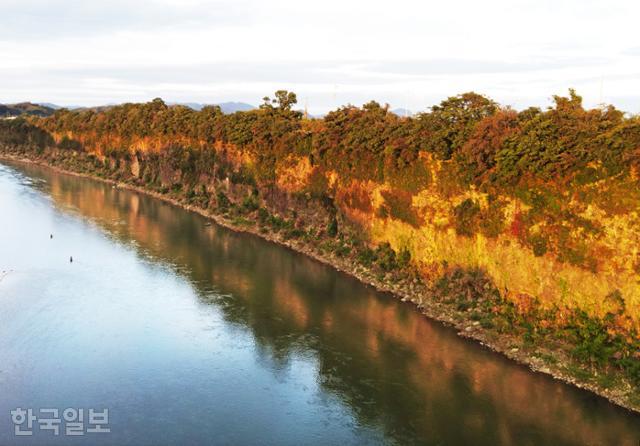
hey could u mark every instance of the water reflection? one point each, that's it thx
(393, 369)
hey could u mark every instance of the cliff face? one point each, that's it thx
(582, 264)
(576, 247)
(604, 245)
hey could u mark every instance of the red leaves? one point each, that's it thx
(518, 228)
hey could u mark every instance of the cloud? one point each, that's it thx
(409, 53)
(326, 84)
(52, 19)
(293, 72)
(632, 51)
(481, 66)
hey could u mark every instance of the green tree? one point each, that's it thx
(283, 99)
(450, 124)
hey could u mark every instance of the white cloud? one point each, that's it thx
(407, 53)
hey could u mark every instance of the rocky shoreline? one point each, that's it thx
(550, 362)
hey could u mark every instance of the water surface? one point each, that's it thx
(193, 334)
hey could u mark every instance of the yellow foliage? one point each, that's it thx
(292, 173)
(514, 268)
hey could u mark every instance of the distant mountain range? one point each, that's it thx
(402, 112)
(25, 108)
(47, 109)
(57, 107)
(227, 107)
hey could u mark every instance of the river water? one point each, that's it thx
(193, 334)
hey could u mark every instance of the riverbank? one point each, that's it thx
(538, 358)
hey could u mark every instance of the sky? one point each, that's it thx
(409, 54)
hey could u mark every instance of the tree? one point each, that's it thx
(477, 157)
(563, 140)
(283, 98)
(450, 123)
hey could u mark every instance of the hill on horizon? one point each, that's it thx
(402, 112)
(227, 107)
(48, 108)
(25, 108)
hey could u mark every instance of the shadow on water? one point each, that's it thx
(395, 370)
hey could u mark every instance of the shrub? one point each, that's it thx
(366, 256)
(492, 218)
(470, 286)
(386, 257)
(398, 205)
(404, 258)
(539, 244)
(293, 233)
(222, 201)
(631, 366)
(466, 217)
(243, 176)
(70, 144)
(332, 229)
(592, 342)
(342, 250)
(250, 203)
(405, 170)
(263, 216)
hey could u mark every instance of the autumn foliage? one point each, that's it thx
(544, 202)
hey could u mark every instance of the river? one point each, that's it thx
(189, 333)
